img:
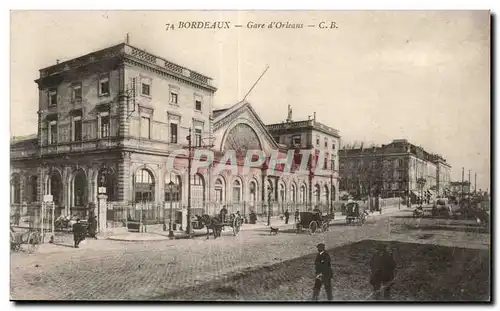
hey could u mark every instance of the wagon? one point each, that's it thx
(312, 221)
(353, 213)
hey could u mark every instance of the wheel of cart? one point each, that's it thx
(236, 225)
(325, 226)
(313, 226)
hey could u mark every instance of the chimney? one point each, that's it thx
(314, 116)
(57, 61)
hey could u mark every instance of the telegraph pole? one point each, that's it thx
(462, 185)
(468, 192)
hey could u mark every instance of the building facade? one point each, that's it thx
(113, 117)
(399, 169)
(316, 138)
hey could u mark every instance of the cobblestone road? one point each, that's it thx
(113, 270)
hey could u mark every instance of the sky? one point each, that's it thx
(381, 75)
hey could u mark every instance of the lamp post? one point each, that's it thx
(170, 231)
(332, 166)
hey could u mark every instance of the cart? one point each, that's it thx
(31, 237)
(353, 214)
(313, 221)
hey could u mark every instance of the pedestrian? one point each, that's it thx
(92, 226)
(287, 216)
(297, 214)
(78, 232)
(383, 266)
(323, 268)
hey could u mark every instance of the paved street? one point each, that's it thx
(115, 270)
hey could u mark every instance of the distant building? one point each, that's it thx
(316, 137)
(394, 170)
(458, 187)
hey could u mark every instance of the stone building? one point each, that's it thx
(111, 119)
(399, 169)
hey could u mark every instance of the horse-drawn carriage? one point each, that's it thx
(353, 213)
(312, 221)
(218, 223)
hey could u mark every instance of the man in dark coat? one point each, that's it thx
(382, 272)
(323, 268)
(92, 225)
(287, 216)
(78, 232)
(297, 215)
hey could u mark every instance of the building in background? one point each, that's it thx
(315, 137)
(458, 188)
(111, 118)
(398, 169)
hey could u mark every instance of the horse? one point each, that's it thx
(211, 223)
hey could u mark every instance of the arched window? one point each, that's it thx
(144, 186)
(80, 189)
(293, 193)
(33, 186)
(317, 192)
(54, 187)
(282, 192)
(253, 191)
(16, 189)
(220, 193)
(173, 188)
(197, 191)
(303, 195)
(327, 194)
(236, 191)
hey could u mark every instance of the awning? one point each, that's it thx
(432, 192)
(415, 193)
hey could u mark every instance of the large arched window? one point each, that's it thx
(293, 193)
(303, 195)
(237, 191)
(173, 187)
(33, 189)
(197, 191)
(80, 189)
(253, 191)
(54, 187)
(327, 194)
(242, 138)
(220, 193)
(15, 189)
(282, 193)
(317, 193)
(144, 186)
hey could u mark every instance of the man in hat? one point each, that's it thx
(382, 272)
(324, 273)
(78, 232)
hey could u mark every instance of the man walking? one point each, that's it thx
(78, 232)
(324, 273)
(287, 216)
(92, 225)
(382, 273)
(297, 214)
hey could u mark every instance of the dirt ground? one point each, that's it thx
(424, 273)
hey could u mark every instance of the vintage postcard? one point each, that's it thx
(250, 156)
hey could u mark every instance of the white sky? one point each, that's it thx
(423, 76)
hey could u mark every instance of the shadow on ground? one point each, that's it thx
(425, 273)
(471, 229)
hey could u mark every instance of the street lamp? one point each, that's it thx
(269, 194)
(332, 166)
(170, 189)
